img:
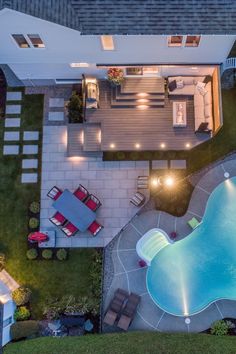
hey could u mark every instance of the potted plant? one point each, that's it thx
(115, 76)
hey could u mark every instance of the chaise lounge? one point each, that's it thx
(115, 306)
(129, 311)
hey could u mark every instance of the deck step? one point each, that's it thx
(135, 104)
(143, 85)
(92, 137)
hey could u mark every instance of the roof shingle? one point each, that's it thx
(135, 16)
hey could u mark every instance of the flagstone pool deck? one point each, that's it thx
(121, 269)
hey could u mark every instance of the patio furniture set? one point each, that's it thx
(75, 211)
(122, 309)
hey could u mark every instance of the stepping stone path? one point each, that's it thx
(30, 163)
(30, 149)
(56, 116)
(14, 96)
(13, 109)
(28, 136)
(159, 164)
(178, 164)
(11, 136)
(56, 102)
(10, 149)
(12, 122)
(29, 178)
(33, 135)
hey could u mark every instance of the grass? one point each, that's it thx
(128, 343)
(221, 144)
(45, 278)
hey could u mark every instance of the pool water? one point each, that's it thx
(187, 276)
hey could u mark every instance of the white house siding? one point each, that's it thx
(64, 46)
(8, 312)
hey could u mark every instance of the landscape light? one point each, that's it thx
(169, 181)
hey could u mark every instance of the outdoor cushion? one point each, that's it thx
(180, 84)
(91, 204)
(81, 195)
(207, 110)
(172, 85)
(59, 217)
(94, 228)
(207, 97)
(188, 80)
(193, 223)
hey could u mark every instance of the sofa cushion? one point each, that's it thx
(200, 85)
(172, 85)
(202, 91)
(188, 80)
(207, 110)
(198, 99)
(180, 84)
(207, 98)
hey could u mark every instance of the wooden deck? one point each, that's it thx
(147, 126)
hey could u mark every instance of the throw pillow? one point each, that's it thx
(172, 85)
(207, 79)
(202, 90)
(180, 84)
(203, 127)
(200, 84)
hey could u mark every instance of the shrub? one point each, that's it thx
(61, 254)
(21, 295)
(22, 314)
(33, 223)
(220, 328)
(120, 155)
(32, 253)
(2, 261)
(34, 207)
(47, 254)
(24, 329)
(75, 109)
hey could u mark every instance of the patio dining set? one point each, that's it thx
(75, 211)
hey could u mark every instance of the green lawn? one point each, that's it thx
(128, 343)
(45, 278)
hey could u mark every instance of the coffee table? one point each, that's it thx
(179, 114)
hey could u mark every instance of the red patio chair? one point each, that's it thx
(69, 229)
(93, 202)
(81, 193)
(95, 228)
(58, 219)
(54, 193)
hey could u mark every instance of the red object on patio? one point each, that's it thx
(81, 193)
(37, 237)
(93, 202)
(54, 193)
(69, 229)
(94, 228)
(58, 219)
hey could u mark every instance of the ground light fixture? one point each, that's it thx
(187, 145)
(112, 146)
(154, 182)
(187, 320)
(226, 175)
(163, 145)
(169, 181)
(137, 146)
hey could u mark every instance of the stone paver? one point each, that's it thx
(14, 96)
(159, 164)
(30, 135)
(29, 178)
(12, 122)
(56, 116)
(10, 149)
(30, 149)
(178, 164)
(13, 109)
(112, 182)
(30, 163)
(56, 102)
(12, 136)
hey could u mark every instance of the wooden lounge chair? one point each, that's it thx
(58, 219)
(193, 223)
(54, 193)
(93, 202)
(81, 193)
(138, 199)
(95, 228)
(69, 229)
(129, 311)
(115, 306)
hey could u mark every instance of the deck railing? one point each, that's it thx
(229, 63)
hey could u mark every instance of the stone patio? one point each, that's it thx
(122, 269)
(112, 182)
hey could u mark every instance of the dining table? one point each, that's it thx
(74, 210)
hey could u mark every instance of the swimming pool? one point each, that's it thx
(187, 276)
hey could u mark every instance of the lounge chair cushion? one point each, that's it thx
(91, 204)
(193, 223)
(80, 194)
